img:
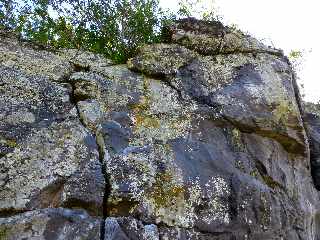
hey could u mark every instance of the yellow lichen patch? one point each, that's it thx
(121, 208)
(142, 119)
(165, 192)
(8, 142)
(11, 143)
(254, 173)
(282, 111)
(160, 59)
(163, 127)
(236, 139)
(166, 199)
(159, 116)
(144, 102)
(147, 121)
(201, 43)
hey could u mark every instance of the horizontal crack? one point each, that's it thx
(10, 212)
(253, 51)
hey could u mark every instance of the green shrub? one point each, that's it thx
(115, 28)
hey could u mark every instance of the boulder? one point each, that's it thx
(209, 38)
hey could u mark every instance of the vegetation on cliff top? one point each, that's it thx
(114, 28)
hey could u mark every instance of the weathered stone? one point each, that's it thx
(184, 183)
(185, 234)
(253, 95)
(85, 86)
(84, 60)
(90, 113)
(211, 38)
(27, 102)
(312, 120)
(161, 59)
(129, 228)
(50, 224)
(55, 166)
(256, 94)
(202, 139)
(26, 57)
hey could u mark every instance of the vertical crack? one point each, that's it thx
(99, 142)
(299, 102)
(107, 189)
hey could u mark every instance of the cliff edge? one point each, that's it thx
(201, 137)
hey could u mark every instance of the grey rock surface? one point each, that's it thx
(203, 137)
(56, 166)
(50, 224)
(214, 38)
(126, 228)
(312, 118)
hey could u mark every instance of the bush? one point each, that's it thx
(115, 28)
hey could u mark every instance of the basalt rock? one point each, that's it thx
(50, 223)
(312, 118)
(201, 137)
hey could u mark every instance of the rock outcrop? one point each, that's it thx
(312, 120)
(202, 137)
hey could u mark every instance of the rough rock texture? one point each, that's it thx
(312, 118)
(50, 224)
(203, 137)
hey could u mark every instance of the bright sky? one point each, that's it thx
(287, 24)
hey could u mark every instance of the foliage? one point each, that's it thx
(294, 54)
(204, 9)
(296, 58)
(115, 28)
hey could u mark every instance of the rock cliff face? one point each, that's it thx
(203, 137)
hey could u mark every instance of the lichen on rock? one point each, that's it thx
(201, 137)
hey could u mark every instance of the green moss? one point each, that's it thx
(291, 145)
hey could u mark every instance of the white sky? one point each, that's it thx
(287, 24)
